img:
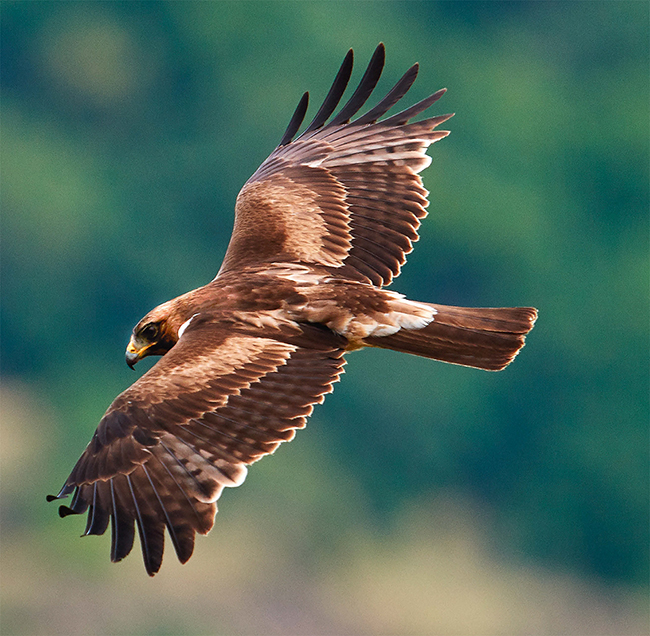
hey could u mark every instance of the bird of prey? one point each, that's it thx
(320, 229)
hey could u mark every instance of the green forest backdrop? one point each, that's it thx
(422, 498)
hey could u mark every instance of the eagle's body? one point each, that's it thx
(321, 227)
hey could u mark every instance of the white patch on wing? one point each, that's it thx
(384, 330)
(409, 314)
(203, 472)
(426, 162)
(403, 314)
(274, 319)
(185, 325)
(298, 274)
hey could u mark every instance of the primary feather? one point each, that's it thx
(320, 228)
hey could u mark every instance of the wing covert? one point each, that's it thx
(169, 444)
(344, 195)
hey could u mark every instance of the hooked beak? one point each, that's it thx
(132, 354)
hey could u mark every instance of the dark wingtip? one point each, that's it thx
(64, 492)
(334, 94)
(296, 120)
(416, 109)
(64, 511)
(364, 89)
(394, 95)
(152, 562)
(184, 558)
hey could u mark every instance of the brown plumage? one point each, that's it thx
(321, 227)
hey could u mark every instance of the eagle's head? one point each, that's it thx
(156, 333)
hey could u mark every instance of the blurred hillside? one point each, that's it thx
(422, 498)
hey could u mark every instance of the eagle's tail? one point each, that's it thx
(485, 338)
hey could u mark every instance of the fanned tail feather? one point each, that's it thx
(484, 338)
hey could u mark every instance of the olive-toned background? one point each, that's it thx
(422, 498)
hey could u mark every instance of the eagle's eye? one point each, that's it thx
(150, 332)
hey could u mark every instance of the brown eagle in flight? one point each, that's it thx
(320, 229)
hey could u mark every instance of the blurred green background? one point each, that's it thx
(422, 498)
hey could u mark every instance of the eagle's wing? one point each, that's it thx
(343, 194)
(169, 444)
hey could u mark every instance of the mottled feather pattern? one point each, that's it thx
(323, 224)
(199, 453)
(356, 160)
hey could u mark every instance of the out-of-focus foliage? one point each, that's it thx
(422, 498)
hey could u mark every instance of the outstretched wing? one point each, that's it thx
(345, 195)
(169, 444)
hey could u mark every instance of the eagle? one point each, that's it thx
(320, 230)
